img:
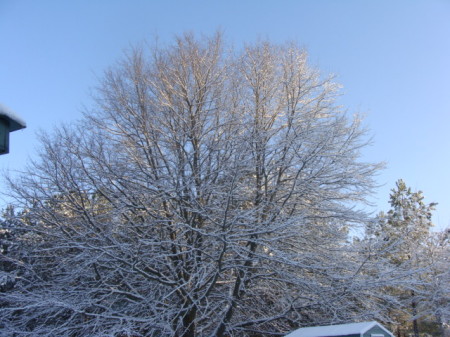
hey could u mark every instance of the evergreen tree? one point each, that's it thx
(405, 231)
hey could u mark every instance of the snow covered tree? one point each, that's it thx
(436, 302)
(208, 193)
(8, 243)
(405, 232)
(409, 217)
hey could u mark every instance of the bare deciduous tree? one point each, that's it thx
(209, 193)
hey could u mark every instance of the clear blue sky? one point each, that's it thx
(392, 57)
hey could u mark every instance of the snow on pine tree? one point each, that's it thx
(405, 233)
(208, 193)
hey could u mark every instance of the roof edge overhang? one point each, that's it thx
(374, 323)
(14, 121)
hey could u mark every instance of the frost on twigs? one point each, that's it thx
(208, 193)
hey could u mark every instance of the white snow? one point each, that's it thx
(335, 330)
(17, 122)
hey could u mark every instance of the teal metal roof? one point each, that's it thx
(337, 330)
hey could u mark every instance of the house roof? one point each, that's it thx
(337, 330)
(15, 122)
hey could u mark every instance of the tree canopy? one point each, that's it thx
(209, 192)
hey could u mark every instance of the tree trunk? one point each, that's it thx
(414, 312)
(189, 323)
